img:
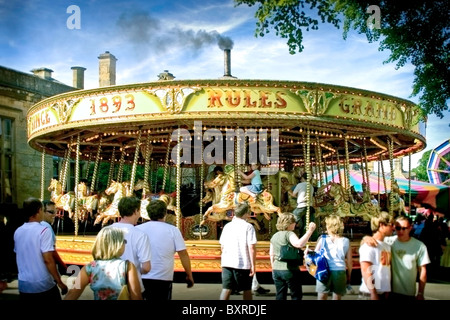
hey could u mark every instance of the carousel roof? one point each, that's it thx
(344, 121)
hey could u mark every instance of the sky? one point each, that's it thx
(184, 37)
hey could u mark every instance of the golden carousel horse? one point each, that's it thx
(345, 208)
(112, 211)
(229, 199)
(87, 203)
(63, 202)
(398, 204)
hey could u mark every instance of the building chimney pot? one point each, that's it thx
(43, 73)
(107, 69)
(78, 77)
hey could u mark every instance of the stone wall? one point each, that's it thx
(18, 92)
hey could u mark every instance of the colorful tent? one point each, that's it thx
(437, 195)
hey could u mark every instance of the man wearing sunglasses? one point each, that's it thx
(409, 258)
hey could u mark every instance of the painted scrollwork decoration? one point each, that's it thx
(173, 99)
(316, 101)
(64, 109)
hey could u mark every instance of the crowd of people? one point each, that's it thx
(142, 255)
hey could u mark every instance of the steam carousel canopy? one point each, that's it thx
(345, 122)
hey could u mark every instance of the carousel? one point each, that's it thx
(187, 127)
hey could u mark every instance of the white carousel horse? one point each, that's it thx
(112, 211)
(228, 201)
(88, 203)
(63, 202)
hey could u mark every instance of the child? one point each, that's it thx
(256, 186)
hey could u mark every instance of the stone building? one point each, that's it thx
(20, 165)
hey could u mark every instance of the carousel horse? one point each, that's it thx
(364, 207)
(168, 199)
(398, 204)
(63, 202)
(112, 211)
(88, 203)
(229, 199)
(345, 208)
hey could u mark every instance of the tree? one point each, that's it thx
(421, 169)
(416, 31)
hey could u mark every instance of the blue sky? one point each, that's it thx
(148, 37)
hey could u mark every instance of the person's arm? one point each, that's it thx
(349, 263)
(146, 267)
(186, 262)
(422, 282)
(252, 251)
(370, 241)
(298, 243)
(366, 272)
(134, 286)
(81, 282)
(247, 177)
(271, 255)
(58, 260)
(51, 267)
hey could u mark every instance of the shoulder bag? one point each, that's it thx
(317, 265)
(124, 292)
(290, 254)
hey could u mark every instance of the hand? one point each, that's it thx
(189, 281)
(370, 241)
(312, 226)
(63, 288)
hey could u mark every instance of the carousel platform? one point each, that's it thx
(204, 254)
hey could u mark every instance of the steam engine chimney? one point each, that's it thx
(227, 64)
(107, 69)
(78, 77)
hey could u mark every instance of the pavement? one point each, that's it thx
(211, 291)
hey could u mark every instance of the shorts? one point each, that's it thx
(256, 188)
(236, 279)
(337, 283)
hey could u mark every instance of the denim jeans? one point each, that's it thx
(287, 279)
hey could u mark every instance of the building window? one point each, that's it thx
(6, 160)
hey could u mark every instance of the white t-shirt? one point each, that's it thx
(236, 236)
(137, 249)
(31, 240)
(300, 191)
(380, 257)
(165, 240)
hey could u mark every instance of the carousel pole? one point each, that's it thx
(111, 167)
(42, 174)
(202, 177)
(88, 166)
(97, 161)
(66, 165)
(308, 179)
(166, 164)
(178, 167)
(339, 168)
(391, 165)
(366, 164)
(77, 173)
(347, 167)
(384, 178)
(148, 153)
(121, 163)
(409, 183)
(136, 157)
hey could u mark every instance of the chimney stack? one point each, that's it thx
(78, 77)
(107, 69)
(43, 73)
(227, 64)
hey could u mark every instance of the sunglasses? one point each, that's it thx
(124, 241)
(50, 211)
(398, 228)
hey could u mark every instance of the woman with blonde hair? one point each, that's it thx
(287, 275)
(107, 273)
(339, 257)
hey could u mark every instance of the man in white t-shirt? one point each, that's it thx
(300, 192)
(238, 242)
(137, 248)
(165, 241)
(34, 246)
(376, 261)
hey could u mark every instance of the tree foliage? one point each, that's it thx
(421, 169)
(415, 32)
